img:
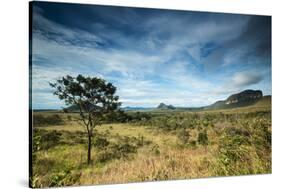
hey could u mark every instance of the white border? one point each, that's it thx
(14, 90)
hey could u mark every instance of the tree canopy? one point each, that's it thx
(94, 97)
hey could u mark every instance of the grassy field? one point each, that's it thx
(168, 145)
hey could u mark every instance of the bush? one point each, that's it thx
(100, 142)
(238, 153)
(43, 140)
(116, 151)
(192, 143)
(124, 149)
(202, 138)
(63, 178)
(106, 155)
(183, 136)
(41, 120)
(231, 148)
(155, 149)
(69, 117)
(233, 151)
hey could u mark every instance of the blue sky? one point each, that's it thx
(182, 58)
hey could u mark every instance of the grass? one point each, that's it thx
(238, 142)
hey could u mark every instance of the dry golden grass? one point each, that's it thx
(173, 164)
(173, 161)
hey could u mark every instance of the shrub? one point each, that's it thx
(69, 117)
(235, 152)
(202, 138)
(116, 151)
(34, 181)
(106, 155)
(231, 148)
(192, 143)
(155, 149)
(124, 149)
(63, 178)
(100, 142)
(43, 139)
(41, 120)
(183, 136)
(261, 133)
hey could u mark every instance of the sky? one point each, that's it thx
(183, 58)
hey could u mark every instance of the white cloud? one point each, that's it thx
(143, 70)
(246, 78)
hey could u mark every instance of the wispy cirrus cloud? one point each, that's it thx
(152, 56)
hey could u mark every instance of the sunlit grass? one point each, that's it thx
(162, 156)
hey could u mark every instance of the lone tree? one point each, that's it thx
(94, 98)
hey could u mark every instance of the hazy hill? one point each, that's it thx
(264, 102)
(164, 106)
(242, 99)
(246, 98)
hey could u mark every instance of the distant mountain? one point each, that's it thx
(264, 102)
(253, 98)
(75, 108)
(164, 106)
(244, 98)
(129, 108)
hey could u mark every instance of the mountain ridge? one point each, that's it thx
(242, 99)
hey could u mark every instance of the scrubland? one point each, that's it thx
(151, 146)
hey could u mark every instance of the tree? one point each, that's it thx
(94, 98)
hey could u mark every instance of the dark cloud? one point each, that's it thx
(245, 79)
(187, 51)
(251, 46)
(257, 35)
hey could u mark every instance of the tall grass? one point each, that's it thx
(162, 147)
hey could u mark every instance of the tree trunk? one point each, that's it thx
(89, 148)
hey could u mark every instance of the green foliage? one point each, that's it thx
(43, 139)
(94, 97)
(232, 148)
(244, 150)
(63, 178)
(155, 149)
(139, 117)
(72, 138)
(122, 148)
(238, 143)
(116, 151)
(192, 143)
(100, 142)
(202, 138)
(42, 120)
(69, 117)
(34, 181)
(36, 142)
(118, 116)
(91, 95)
(261, 133)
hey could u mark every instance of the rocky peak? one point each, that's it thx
(243, 96)
(164, 106)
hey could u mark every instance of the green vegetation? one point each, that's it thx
(147, 146)
(94, 97)
(41, 120)
(93, 141)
